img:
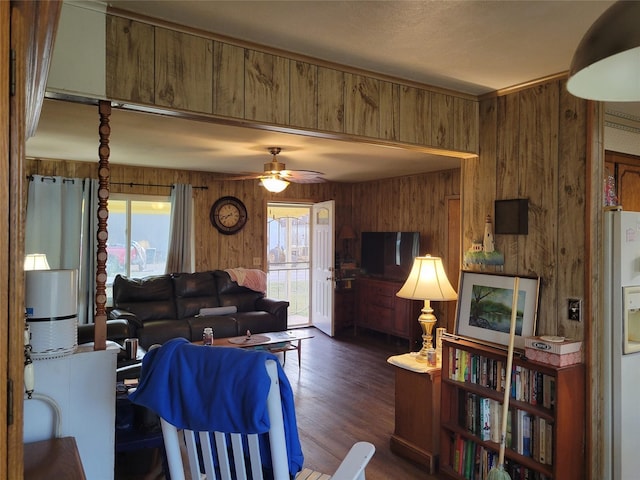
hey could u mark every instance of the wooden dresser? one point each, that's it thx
(378, 308)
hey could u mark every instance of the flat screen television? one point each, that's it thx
(389, 255)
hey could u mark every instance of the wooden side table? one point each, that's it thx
(417, 418)
(54, 458)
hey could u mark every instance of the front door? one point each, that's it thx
(288, 246)
(322, 266)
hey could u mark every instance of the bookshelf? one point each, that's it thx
(546, 429)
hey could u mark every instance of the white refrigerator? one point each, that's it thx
(622, 345)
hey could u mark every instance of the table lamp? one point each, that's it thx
(427, 281)
(36, 261)
(347, 234)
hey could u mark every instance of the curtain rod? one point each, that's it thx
(64, 180)
(131, 184)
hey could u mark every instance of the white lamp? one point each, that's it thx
(274, 184)
(36, 261)
(427, 281)
(606, 64)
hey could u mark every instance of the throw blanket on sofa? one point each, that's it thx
(251, 278)
(188, 385)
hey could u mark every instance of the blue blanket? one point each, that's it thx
(189, 385)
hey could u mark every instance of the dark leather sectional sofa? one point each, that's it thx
(163, 307)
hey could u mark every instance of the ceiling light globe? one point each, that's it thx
(274, 184)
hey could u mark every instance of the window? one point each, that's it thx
(138, 228)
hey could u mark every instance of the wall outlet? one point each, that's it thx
(257, 261)
(574, 309)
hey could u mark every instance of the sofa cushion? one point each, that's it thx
(194, 291)
(223, 326)
(149, 298)
(230, 293)
(259, 322)
(160, 331)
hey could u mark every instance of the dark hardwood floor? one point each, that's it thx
(344, 392)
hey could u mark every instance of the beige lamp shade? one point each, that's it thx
(36, 261)
(427, 281)
(606, 64)
(347, 233)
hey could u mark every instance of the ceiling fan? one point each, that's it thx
(276, 177)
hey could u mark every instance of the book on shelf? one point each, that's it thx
(527, 385)
(541, 414)
(509, 436)
(496, 417)
(548, 446)
(469, 458)
(474, 462)
(485, 419)
(526, 435)
(458, 456)
(541, 436)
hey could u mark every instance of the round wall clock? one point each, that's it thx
(228, 215)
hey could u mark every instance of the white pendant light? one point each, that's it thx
(606, 64)
(274, 184)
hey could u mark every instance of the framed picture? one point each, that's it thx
(484, 307)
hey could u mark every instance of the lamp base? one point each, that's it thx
(427, 321)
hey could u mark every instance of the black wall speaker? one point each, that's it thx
(512, 216)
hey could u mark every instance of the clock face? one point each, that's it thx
(228, 215)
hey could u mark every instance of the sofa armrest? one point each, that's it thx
(275, 307)
(117, 331)
(132, 318)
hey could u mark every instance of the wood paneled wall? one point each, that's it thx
(406, 203)
(411, 203)
(543, 144)
(533, 145)
(196, 73)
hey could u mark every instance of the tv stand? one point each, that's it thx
(378, 308)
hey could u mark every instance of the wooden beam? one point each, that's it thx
(100, 333)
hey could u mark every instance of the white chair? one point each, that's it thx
(235, 456)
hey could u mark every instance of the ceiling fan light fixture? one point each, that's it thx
(274, 184)
(606, 64)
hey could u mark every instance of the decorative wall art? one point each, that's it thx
(482, 255)
(484, 307)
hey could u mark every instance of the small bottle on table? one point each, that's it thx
(207, 336)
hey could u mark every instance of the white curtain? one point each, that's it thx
(58, 226)
(54, 219)
(180, 258)
(88, 253)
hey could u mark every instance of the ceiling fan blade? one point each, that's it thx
(302, 176)
(277, 169)
(299, 174)
(248, 176)
(305, 179)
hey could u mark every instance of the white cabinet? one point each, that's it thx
(83, 387)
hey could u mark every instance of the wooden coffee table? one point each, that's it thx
(274, 342)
